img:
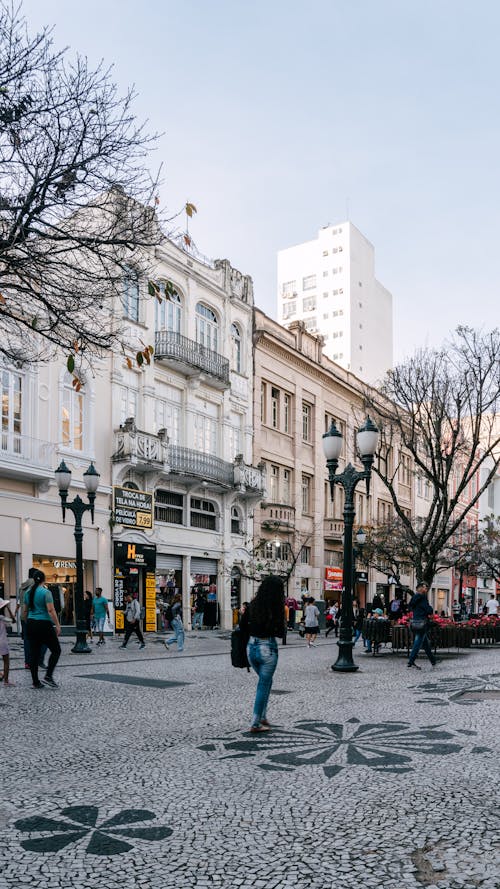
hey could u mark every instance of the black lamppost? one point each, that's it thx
(78, 508)
(464, 568)
(357, 552)
(367, 439)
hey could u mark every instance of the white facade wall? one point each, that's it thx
(338, 296)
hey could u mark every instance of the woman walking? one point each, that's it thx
(176, 624)
(263, 621)
(311, 617)
(43, 628)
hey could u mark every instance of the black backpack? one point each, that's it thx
(239, 649)
(168, 614)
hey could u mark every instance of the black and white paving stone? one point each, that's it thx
(139, 771)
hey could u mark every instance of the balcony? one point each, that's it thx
(143, 451)
(24, 457)
(333, 529)
(249, 480)
(191, 358)
(195, 466)
(278, 517)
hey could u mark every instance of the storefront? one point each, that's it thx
(60, 577)
(235, 593)
(134, 573)
(168, 582)
(8, 582)
(204, 581)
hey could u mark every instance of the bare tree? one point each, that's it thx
(439, 408)
(77, 203)
(389, 550)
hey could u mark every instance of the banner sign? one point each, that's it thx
(150, 604)
(134, 509)
(333, 578)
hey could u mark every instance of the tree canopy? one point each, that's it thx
(439, 409)
(77, 202)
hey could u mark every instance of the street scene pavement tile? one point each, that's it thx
(148, 775)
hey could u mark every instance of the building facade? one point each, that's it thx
(329, 283)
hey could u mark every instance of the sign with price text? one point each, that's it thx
(134, 509)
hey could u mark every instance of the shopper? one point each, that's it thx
(492, 606)
(263, 621)
(43, 628)
(422, 610)
(176, 624)
(199, 611)
(333, 623)
(132, 618)
(26, 585)
(100, 612)
(311, 617)
(6, 617)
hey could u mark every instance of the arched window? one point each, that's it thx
(207, 329)
(169, 311)
(130, 294)
(73, 415)
(203, 514)
(236, 341)
(236, 523)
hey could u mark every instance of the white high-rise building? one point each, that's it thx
(330, 284)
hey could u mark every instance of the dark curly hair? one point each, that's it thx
(269, 602)
(38, 578)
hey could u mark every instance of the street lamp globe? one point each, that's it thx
(63, 476)
(367, 439)
(360, 537)
(91, 479)
(332, 443)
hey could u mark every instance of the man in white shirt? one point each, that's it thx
(493, 605)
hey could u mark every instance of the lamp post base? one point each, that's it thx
(80, 646)
(344, 662)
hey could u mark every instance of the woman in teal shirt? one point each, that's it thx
(42, 627)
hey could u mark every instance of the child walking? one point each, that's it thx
(6, 617)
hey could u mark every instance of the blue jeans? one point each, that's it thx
(263, 657)
(178, 634)
(197, 620)
(421, 640)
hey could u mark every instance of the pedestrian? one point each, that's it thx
(492, 606)
(132, 617)
(43, 628)
(377, 602)
(334, 619)
(456, 610)
(87, 607)
(395, 609)
(357, 624)
(421, 609)
(100, 611)
(199, 611)
(292, 604)
(176, 624)
(263, 621)
(26, 585)
(6, 617)
(372, 647)
(311, 617)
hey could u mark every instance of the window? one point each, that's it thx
(205, 434)
(236, 341)
(287, 487)
(130, 295)
(72, 416)
(306, 493)
(335, 250)
(235, 521)
(263, 397)
(325, 273)
(384, 511)
(275, 407)
(168, 416)
(290, 309)
(274, 484)
(311, 324)
(420, 485)
(306, 421)
(309, 303)
(235, 437)
(168, 313)
(289, 288)
(305, 555)
(326, 316)
(169, 507)
(325, 295)
(207, 331)
(11, 384)
(128, 404)
(287, 403)
(325, 252)
(203, 514)
(404, 470)
(309, 282)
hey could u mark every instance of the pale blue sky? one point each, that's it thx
(279, 114)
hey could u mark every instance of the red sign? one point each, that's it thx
(333, 578)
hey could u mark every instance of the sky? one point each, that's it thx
(281, 116)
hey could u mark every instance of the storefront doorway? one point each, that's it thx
(60, 577)
(204, 581)
(134, 574)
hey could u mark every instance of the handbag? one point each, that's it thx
(419, 626)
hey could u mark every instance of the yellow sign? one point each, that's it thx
(119, 620)
(150, 602)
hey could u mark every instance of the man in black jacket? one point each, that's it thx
(422, 609)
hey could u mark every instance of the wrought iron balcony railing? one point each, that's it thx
(176, 347)
(194, 464)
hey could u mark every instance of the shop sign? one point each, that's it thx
(362, 576)
(134, 509)
(118, 596)
(150, 603)
(333, 578)
(64, 563)
(134, 554)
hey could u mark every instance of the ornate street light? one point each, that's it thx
(78, 508)
(367, 440)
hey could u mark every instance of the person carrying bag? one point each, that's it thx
(421, 609)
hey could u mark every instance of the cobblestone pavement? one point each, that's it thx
(139, 771)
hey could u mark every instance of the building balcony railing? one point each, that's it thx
(26, 457)
(250, 480)
(276, 516)
(142, 450)
(196, 466)
(191, 357)
(333, 529)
